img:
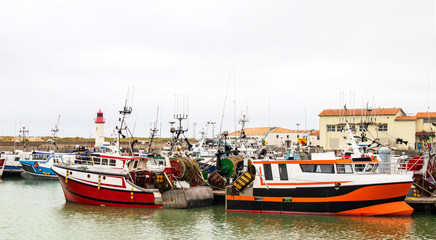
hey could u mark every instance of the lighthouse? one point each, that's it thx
(99, 129)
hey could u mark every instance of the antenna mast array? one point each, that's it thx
(23, 133)
(153, 130)
(180, 116)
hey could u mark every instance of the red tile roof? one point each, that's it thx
(314, 133)
(426, 114)
(264, 130)
(360, 111)
(405, 118)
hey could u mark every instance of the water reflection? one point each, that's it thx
(37, 209)
(320, 227)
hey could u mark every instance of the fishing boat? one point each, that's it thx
(13, 164)
(41, 169)
(359, 184)
(2, 166)
(170, 180)
(109, 180)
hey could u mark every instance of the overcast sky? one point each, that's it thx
(282, 62)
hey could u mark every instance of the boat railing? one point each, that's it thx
(96, 161)
(380, 168)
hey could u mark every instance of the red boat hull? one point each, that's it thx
(83, 193)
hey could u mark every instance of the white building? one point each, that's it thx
(276, 136)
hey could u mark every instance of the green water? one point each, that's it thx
(37, 210)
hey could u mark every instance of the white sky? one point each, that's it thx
(72, 58)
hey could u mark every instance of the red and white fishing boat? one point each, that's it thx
(111, 180)
(2, 166)
(134, 181)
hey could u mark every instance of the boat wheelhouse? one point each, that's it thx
(359, 186)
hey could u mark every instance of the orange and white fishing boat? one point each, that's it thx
(356, 186)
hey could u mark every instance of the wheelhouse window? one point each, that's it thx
(331, 128)
(383, 128)
(97, 161)
(104, 161)
(308, 167)
(318, 168)
(325, 168)
(344, 168)
(268, 171)
(283, 172)
(112, 162)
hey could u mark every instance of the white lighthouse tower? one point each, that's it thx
(99, 129)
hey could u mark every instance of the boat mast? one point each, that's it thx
(23, 133)
(153, 131)
(125, 112)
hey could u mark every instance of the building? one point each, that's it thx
(276, 136)
(390, 126)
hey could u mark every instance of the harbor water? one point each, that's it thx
(37, 210)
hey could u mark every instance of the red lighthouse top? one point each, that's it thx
(99, 118)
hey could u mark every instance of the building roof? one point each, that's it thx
(264, 130)
(360, 111)
(314, 133)
(426, 115)
(406, 118)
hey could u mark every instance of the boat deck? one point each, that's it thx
(422, 204)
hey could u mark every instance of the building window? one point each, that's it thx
(341, 128)
(363, 128)
(331, 128)
(287, 136)
(277, 136)
(383, 128)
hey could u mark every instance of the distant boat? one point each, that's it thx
(41, 169)
(2, 166)
(13, 164)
